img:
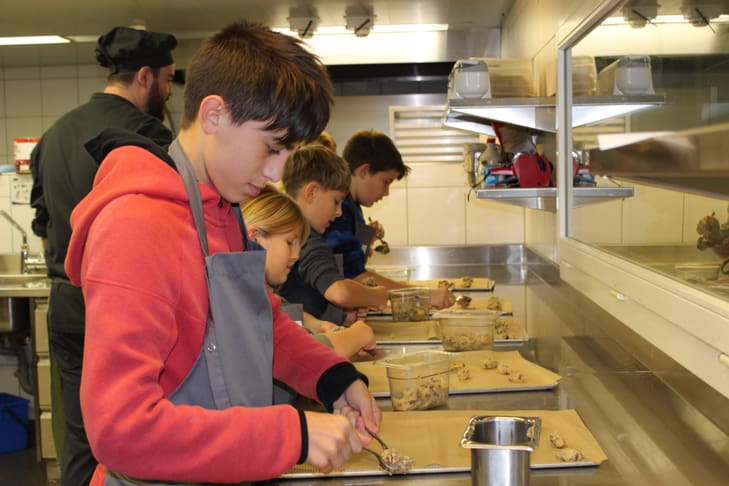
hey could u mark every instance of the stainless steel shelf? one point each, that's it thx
(545, 198)
(539, 113)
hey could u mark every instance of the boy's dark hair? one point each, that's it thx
(264, 76)
(315, 163)
(374, 148)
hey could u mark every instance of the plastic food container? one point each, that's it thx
(470, 79)
(500, 448)
(410, 304)
(629, 75)
(466, 330)
(418, 381)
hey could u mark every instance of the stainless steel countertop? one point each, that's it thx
(659, 426)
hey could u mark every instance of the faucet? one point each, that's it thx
(24, 249)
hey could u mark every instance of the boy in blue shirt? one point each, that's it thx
(318, 179)
(374, 163)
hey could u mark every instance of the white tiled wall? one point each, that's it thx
(31, 100)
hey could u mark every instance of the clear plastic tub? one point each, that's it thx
(410, 304)
(467, 330)
(418, 381)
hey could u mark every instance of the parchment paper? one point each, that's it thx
(432, 439)
(481, 381)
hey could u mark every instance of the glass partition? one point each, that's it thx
(677, 222)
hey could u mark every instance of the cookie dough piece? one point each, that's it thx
(457, 364)
(463, 374)
(556, 440)
(489, 363)
(569, 455)
(493, 303)
(396, 463)
(465, 282)
(504, 369)
(516, 377)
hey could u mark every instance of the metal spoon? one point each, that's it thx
(383, 465)
(377, 438)
(383, 247)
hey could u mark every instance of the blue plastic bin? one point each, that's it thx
(13, 423)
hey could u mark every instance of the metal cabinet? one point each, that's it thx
(45, 445)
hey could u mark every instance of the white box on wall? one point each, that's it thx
(20, 186)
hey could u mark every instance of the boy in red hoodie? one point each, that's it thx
(183, 338)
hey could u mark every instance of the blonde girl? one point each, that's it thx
(274, 221)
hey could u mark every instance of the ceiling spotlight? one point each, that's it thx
(303, 21)
(699, 12)
(637, 13)
(360, 20)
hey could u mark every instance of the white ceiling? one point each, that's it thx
(472, 24)
(87, 17)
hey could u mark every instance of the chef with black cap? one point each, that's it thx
(141, 70)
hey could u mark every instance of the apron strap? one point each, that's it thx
(184, 167)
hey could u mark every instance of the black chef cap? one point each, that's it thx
(126, 49)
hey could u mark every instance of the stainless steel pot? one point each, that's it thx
(501, 449)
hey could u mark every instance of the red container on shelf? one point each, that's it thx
(22, 148)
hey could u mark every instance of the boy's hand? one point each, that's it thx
(379, 230)
(442, 298)
(357, 402)
(352, 315)
(365, 335)
(332, 439)
(383, 294)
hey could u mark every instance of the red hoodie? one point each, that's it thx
(135, 252)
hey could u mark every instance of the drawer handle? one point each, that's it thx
(724, 359)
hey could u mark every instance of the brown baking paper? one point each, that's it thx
(481, 381)
(436, 447)
(482, 303)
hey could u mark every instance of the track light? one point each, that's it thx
(360, 20)
(699, 12)
(637, 13)
(303, 21)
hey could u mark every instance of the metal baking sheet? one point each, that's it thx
(426, 332)
(481, 381)
(477, 303)
(436, 449)
(480, 284)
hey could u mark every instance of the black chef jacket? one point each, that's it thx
(63, 171)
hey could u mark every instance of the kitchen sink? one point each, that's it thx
(16, 292)
(27, 280)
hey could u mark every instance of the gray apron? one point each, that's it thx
(239, 331)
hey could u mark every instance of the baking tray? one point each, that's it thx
(388, 331)
(481, 381)
(477, 303)
(436, 448)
